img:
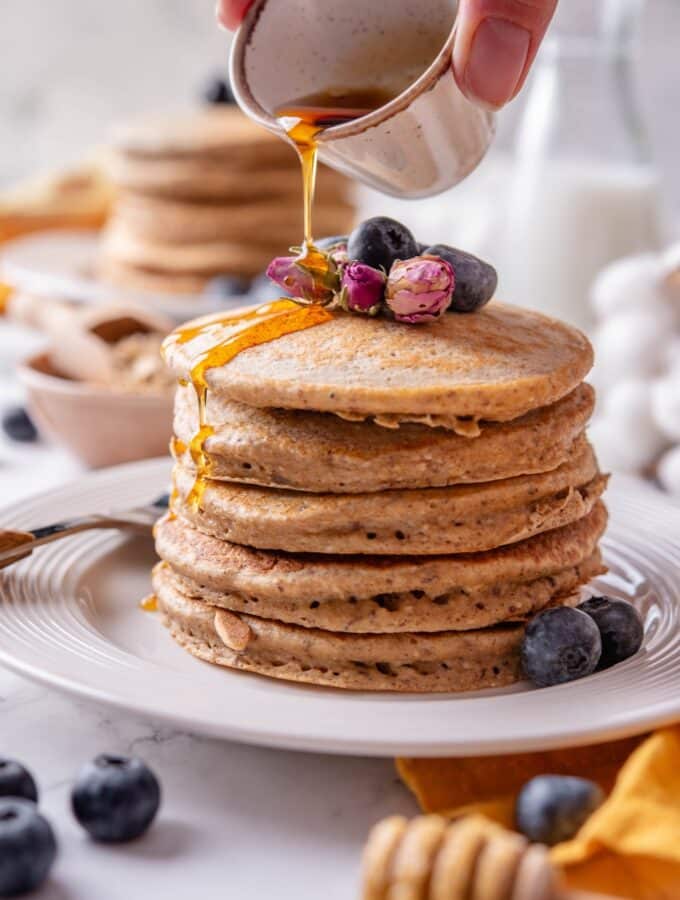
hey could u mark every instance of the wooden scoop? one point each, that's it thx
(83, 337)
(429, 858)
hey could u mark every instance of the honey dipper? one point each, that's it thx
(429, 858)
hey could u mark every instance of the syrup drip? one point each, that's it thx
(221, 338)
(303, 121)
(5, 294)
(172, 504)
(177, 447)
(149, 604)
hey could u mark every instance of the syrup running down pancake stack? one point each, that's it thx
(373, 506)
(207, 194)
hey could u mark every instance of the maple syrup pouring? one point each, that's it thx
(303, 120)
(220, 339)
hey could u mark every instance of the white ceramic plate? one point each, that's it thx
(63, 264)
(69, 617)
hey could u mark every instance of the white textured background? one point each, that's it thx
(70, 67)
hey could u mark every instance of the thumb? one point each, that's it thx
(496, 42)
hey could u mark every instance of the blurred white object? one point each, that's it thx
(637, 363)
(615, 450)
(629, 405)
(631, 344)
(666, 404)
(668, 471)
(672, 358)
(629, 284)
(625, 434)
(584, 191)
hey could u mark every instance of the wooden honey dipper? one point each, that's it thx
(429, 858)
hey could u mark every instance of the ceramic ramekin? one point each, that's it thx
(424, 141)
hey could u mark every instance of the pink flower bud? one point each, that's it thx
(419, 289)
(363, 288)
(298, 281)
(339, 255)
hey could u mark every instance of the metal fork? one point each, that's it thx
(16, 545)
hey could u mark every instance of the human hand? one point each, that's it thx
(496, 43)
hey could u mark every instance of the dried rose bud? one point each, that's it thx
(339, 255)
(363, 288)
(300, 282)
(419, 289)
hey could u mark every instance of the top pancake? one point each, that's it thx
(496, 364)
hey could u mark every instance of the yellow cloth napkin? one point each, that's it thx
(629, 847)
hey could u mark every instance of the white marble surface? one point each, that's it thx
(236, 821)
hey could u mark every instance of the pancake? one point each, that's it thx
(221, 179)
(154, 281)
(315, 452)
(460, 519)
(120, 244)
(457, 610)
(170, 221)
(497, 364)
(282, 584)
(449, 661)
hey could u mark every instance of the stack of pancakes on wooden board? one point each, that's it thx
(208, 194)
(385, 505)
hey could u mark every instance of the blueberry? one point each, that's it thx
(476, 280)
(380, 241)
(422, 248)
(224, 287)
(620, 625)
(116, 798)
(16, 781)
(328, 243)
(560, 645)
(17, 425)
(552, 808)
(218, 90)
(27, 847)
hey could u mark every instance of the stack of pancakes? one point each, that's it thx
(386, 505)
(207, 194)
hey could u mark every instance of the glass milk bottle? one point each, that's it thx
(583, 190)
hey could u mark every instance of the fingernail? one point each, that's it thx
(496, 63)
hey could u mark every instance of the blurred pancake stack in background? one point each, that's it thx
(80, 198)
(207, 194)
